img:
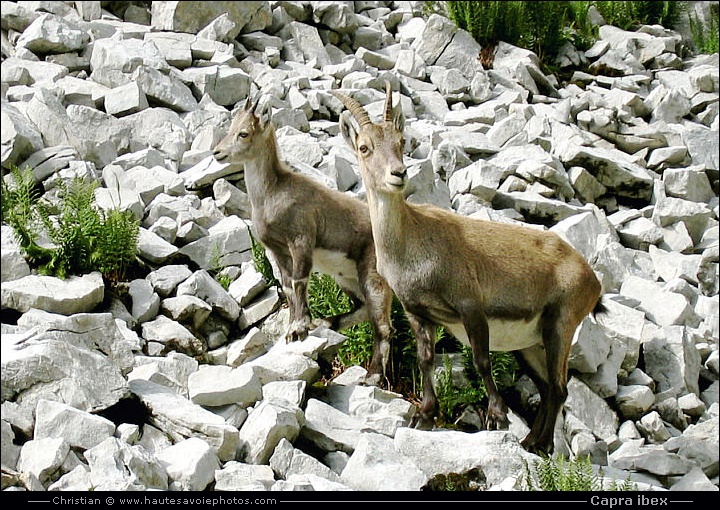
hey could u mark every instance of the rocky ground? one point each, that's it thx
(176, 383)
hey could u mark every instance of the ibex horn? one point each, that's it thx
(388, 102)
(252, 104)
(355, 108)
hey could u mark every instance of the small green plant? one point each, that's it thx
(262, 263)
(543, 27)
(88, 238)
(489, 22)
(544, 24)
(115, 250)
(705, 35)
(215, 267)
(72, 227)
(404, 371)
(358, 348)
(454, 400)
(224, 280)
(627, 15)
(579, 29)
(561, 474)
(84, 237)
(326, 299)
(19, 201)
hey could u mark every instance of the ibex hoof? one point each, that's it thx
(321, 323)
(421, 422)
(296, 335)
(497, 423)
(532, 445)
(372, 380)
(496, 417)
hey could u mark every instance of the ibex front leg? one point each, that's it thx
(478, 332)
(295, 268)
(425, 336)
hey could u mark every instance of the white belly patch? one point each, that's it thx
(337, 265)
(505, 335)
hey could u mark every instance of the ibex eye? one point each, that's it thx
(243, 134)
(364, 149)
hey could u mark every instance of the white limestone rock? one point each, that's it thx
(190, 464)
(75, 294)
(217, 385)
(79, 429)
(267, 424)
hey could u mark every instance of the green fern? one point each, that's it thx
(261, 261)
(73, 229)
(561, 474)
(19, 197)
(116, 244)
(488, 22)
(627, 15)
(84, 237)
(544, 22)
(454, 400)
(619, 14)
(325, 297)
(544, 27)
(581, 31)
(215, 267)
(705, 35)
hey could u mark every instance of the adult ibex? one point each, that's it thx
(495, 286)
(307, 226)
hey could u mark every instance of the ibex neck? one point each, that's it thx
(390, 217)
(262, 170)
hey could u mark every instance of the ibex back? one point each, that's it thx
(307, 226)
(495, 286)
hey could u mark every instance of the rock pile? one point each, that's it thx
(178, 383)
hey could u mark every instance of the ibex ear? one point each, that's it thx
(398, 117)
(348, 129)
(264, 114)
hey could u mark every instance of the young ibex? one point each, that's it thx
(307, 226)
(495, 286)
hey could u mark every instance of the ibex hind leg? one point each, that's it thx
(295, 328)
(297, 277)
(548, 365)
(378, 299)
(533, 362)
(375, 307)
